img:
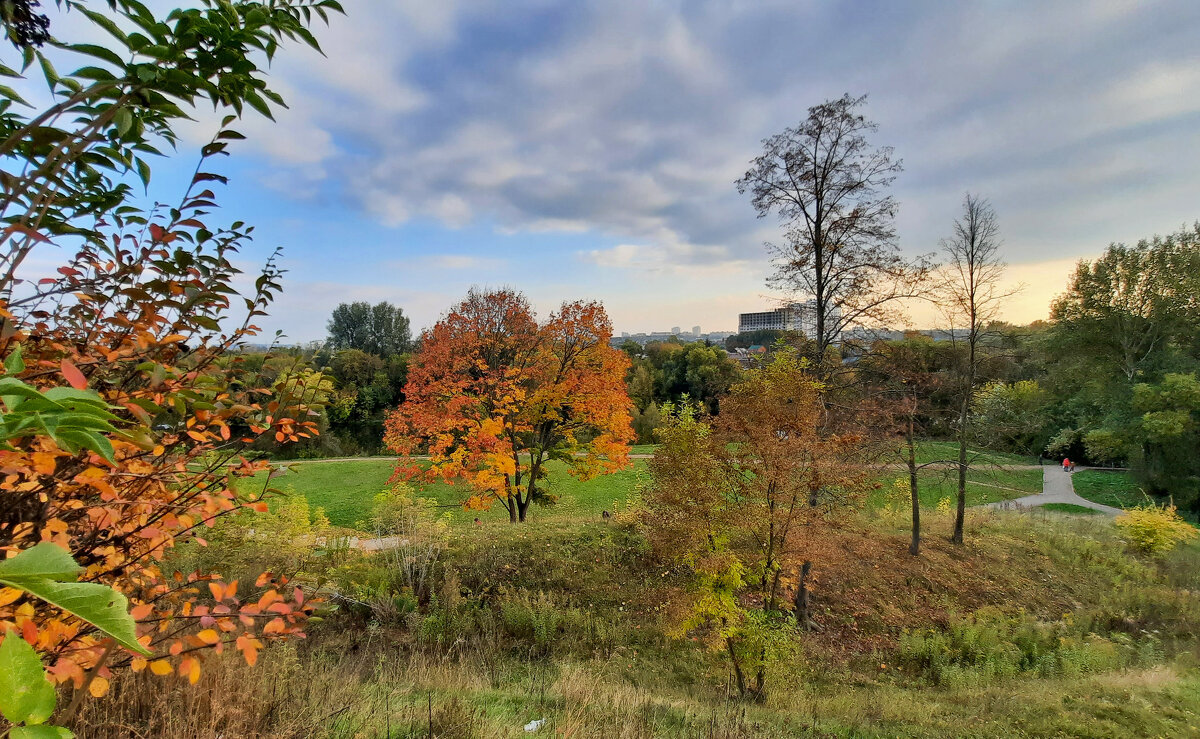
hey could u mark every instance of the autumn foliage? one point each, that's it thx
(493, 395)
(748, 501)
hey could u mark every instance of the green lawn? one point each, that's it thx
(947, 451)
(1116, 488)
(1070, 508)
(983, 486)
(346, 490)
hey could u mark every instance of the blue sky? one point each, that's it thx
(589, 149)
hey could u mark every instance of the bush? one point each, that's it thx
(1154, 529)
(990, 645)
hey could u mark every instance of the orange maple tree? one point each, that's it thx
(493, 395)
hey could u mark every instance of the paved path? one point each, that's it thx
(1056, 488)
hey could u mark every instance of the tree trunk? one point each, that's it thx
(737, 667)
(803, 615)
(961, 511)
(914, 491)
(512, 509)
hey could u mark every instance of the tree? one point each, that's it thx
(907, 376)
(380, 329)
(137, 327)
(971, 296)
(743, 502)
(703, 373)
(827, 185)
(493, 395)
(1012, 416)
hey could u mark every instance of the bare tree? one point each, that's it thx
(971, 296)
(827, 185)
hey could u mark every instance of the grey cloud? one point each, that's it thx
(632, 119)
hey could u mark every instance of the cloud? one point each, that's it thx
(621, 126)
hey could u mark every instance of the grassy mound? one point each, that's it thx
(1038, 626)
(1115, 488)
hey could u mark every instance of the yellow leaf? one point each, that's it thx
(193, 669)
(160, 667)
(8, 595)
(99, 686)
(209, 636)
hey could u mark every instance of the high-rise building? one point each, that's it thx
(800, 317)
(695, 330)
(674, 330)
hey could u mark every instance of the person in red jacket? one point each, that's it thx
(1066, 465)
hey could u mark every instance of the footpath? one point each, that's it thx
(1056, 488)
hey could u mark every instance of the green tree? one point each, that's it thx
(703, 373)
(381, 329)
(1011, 417)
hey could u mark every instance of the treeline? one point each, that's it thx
(669, 371)
(1109, 380)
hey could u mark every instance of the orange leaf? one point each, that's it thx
(209, 636)
(98, 687)
(73, 375)
(190, 666)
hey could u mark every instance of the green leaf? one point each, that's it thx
(11, 94)
(41, 731)
(48, 70)
(26, 696)
(41, 572)
(64, 393)
(45, 561)
(14, 363)
(107, 24)
(98, 52)
(99, 605)
(124, 121)
(143, 172)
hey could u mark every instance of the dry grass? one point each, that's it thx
(365, 679)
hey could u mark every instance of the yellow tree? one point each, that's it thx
(493, 396)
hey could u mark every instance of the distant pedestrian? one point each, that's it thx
(1066, 465)
(478, 522)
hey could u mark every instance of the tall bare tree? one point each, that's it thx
(971, 295)
(828, 187)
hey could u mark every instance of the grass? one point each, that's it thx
(346, 491)
(947, 451)
(1070, 508)
(616, 671)
(983, 486)
(1115, 488)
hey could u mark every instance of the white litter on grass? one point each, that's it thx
(535, 724)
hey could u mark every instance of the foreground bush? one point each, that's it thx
(1154, 529)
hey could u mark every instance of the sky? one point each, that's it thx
(588, 149)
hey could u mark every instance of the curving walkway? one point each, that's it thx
(1056, 488)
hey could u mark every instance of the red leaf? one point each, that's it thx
(156, 232)
(73, 375)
